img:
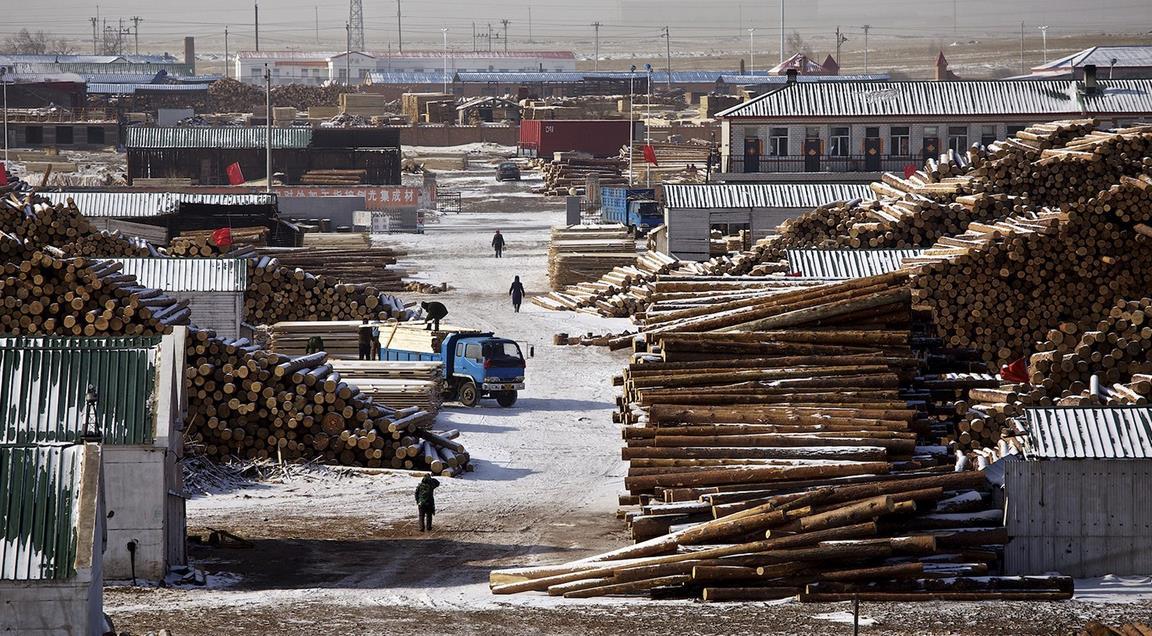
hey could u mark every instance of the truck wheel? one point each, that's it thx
(506, 398)
(468, 395)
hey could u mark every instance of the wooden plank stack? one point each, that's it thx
(334, 177)
(581, 253)
(249, 403)
(413, 336)
(397, 385)
(370, 265)
(341, 337)
(564, 177)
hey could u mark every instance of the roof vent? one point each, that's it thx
(1090, 87)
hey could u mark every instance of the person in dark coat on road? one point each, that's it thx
(498, 243)
(433, 312)
(517, 294)
(426, 501)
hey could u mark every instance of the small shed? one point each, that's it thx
(691, 212)
(1078, 503)
(486, 110)
(140, 401)
(52, 539)
(213, 287)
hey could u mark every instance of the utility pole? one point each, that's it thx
(530, 40)
(781, 31)
(647, 127)
(445, 31)
(256, 8)
(668, 45)
(136, 20)
(227, 72)
(752, 51)
(955, 18)
(4, 81)
(268, 128)
(399, 29)
(1044, 36)
(1021, 47)
(505, 23)
(316, 10)
(474, 49)
(867, 27)
(489, 37)
(356, 19)
(94, 21)
(840, 39)
(347, 53)
(596, 54)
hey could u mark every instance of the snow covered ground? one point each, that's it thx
(343, 554)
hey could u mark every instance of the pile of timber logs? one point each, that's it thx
(1002, 296)
(42, 223)
(588, 340)
(370, 265)
(249, 403)
(14, 249)
(618, 293)
(583, 253)
(1130, 629)
(425, 288)
(396, 384)
(109, 245)
(49, 294)
(334, 177)
(564, 177)
(200, 244)
(278, 294)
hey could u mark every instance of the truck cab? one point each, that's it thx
(482, 366)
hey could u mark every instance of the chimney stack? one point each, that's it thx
(792, 76)
(1090, 79)
(190, 52)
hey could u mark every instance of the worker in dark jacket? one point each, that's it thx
(366, 334)
(426, 501)
(498, 243)
(433, 312)
(517, 294)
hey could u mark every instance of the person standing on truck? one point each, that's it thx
(517, 294)
(433, 312)
(365, 335)
(498, 243)
(426, 501)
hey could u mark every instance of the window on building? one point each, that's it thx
(343, 74)
(987, 134)
(255, 72)
(838, 142)
(901, 144)
(811, 132)
(96, 135)
(1014, 128)
(65, 135)
(958, 138)
(778, 142)
(34, 135)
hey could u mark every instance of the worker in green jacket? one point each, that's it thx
(426, 501)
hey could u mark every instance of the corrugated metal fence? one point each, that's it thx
(845, 264)
(38, 491)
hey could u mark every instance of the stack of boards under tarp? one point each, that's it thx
(620, 292)
(584, 253)
(341, 337)
(396, 385)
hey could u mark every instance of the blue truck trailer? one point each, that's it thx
(476, 365)
(636, 207)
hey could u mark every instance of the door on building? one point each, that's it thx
(931, 147)
(812, 155)
(753, 148)
(872, 154)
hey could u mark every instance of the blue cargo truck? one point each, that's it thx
(635, 207)
(475, 365)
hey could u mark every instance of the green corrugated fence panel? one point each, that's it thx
(44, 382)
(38, 487)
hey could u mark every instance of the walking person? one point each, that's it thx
(517, 294)
(426, 501)
(498, 243)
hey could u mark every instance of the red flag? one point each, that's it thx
(3, 174)
(909, 170)
(1016, 371)
(222, 237)
(650, 156)
(235, 176)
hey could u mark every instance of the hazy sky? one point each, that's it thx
(566, 24)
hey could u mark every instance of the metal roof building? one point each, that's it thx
(140, 395)
(213, 287)
(692, 211)
(1078, 505)
(212, 137)
(51, 540)
(1124, 61)
(846, 264)
(127, 204)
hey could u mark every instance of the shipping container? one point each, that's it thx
(597, 137)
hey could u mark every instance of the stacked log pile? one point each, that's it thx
(278, 294)
(396, 385)
(42, 223)
(249, 403)
(200, 244)
(370, 265)
(232, 96)
(47, 293)
(580, 253)
(564, 177)
(618, 293)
